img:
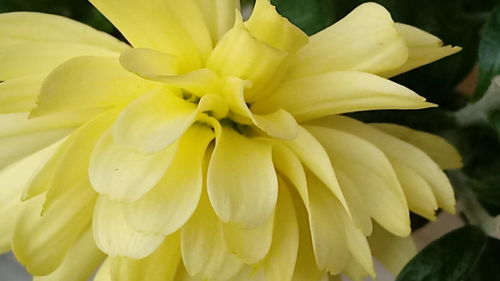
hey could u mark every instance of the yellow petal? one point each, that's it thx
(402, 152)
(173, 27)
(365, 40)
(240, 54)
(104, 272)
(219, 16)
(371, 172)
(355, 271)
(166, 207)
(242, 182)
(154, 121)
(392, 251)
(329, 244)
(38, 58)
(270, 27)
(423, 48)
(159, 266)
(203, 248)
(146, 62)
(19, 27)
(358, 247)
(441, 151)
(339, 92)
(19, 95)
(115, 237)
(126, 174)
(80, 262)
(88, 83)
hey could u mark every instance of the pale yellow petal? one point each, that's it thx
(159, 266)
(242, 182)
(19, 27)
(115, 237)
(371, 172)
(104, 272)
(392, 251)
(126, 174)
(440, 150)
(219, 16)
(339, 92)
(147, 62)
(154, 121)
(365, 40)
(166, 207)
(19, 95)
(423, 48)
(355, 271)
(358, 247)
(80, 261)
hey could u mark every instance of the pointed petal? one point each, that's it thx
(242, 182)
(19, 95)
(365, 40)
(358, 247)
(115, 237)
(355, 271)
(339, 92)
(166, 207)
(219, 16)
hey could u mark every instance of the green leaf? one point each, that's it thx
(489, 53)
(311, 15)
(453, 257)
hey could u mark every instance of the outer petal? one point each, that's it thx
(20, 27)
(339, 92)
(19, 95)
(166, 207)
(365, 40)
(115, 237)
(104, 272)
(242, 182)
(424, 48)
(219, 16)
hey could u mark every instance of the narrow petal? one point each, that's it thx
(154, 121)
(19, 95)
(147, 62)
(219, 16)
(441, 151)
(80, 261)
(339, 92)
(242, 182)
(423, 48)
(115, 237)
(166, 207)
(371, 172)
(365, 40)
(159, 266)
(358, 247)
(355, 271)
(20, 27)
(125, 174)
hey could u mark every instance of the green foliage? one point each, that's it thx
(311, 15)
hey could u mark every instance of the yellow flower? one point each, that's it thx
(213, 148)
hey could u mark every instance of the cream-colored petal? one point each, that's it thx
(402, 152)
(154, 121)
(392, 251)
(339, 92)
(39, 58)
(219, 16)
(365, 40)
(80, 261)
(115, 237)
(20, 27)
(126, 174)
(268, 26)
(242, 182)
(423, 48)
(147, 62)
(329, 244)
(19, 95)
(88, 83)
(173, 27)
(441, 151)
(371, 172)
(203, 248)
(159, 266)
(166, 207)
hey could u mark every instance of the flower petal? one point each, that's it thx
(423, 48)
(365, 40)
(104, 272)
(166, 207)
(358, 246)
(76, 85)
(125, 174)
(219, 16)
(442, 152)
(339, 92)
(115, 237)
(19, 95)
(154, 121)
(242, 182)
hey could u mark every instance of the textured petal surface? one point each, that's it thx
(19, 95)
